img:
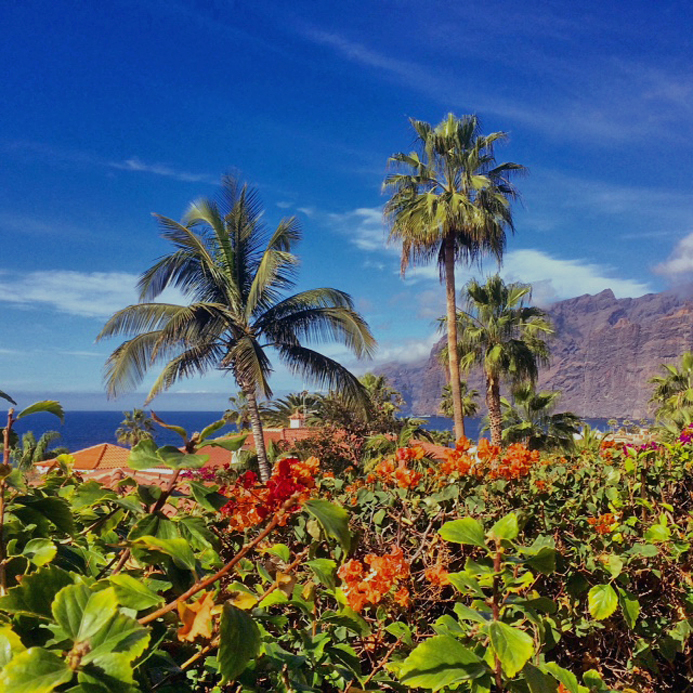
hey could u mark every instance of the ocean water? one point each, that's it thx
(85, 428)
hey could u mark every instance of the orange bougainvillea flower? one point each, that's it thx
(487, 452)
(368, 582)
(516, 463)
(456, 460)
(196, 618)
(437, 575)
(603, 524)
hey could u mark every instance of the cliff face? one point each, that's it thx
(603, 354)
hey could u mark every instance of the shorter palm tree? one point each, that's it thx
(504, 336)
(135, 427)
(470, 407)
(279, 411)
(529, 419)
(31, 451)
(673, 394)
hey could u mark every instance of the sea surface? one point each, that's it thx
(85, 428)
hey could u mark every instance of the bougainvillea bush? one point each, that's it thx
(491, 570)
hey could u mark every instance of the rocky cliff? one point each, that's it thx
(603, 354)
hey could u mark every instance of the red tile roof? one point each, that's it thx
(103, 456)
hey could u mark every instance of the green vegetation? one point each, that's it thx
(450, 202)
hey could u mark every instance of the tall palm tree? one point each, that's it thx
(503, 335)
(673, 393)
(136, 426)
(529, 418)
(234, 273)
(238, 411)
(450, 202)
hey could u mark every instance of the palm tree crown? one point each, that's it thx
(503, 335)
(529, 418)
(235, 274)
(673, 393)
(450, 201)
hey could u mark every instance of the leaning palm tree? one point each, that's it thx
(503, 335)
(450, 202)
(529, 418)
(234, 273)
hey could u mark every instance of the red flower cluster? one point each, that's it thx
(602, 524)
(369, 585)
(250, 503)
(516, 463)
(487, 452)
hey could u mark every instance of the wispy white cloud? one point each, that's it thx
(137, 165)
(598, 102)
(552, 278)
(133, 164)
(363, 227)
(680, 261)
(85, 294)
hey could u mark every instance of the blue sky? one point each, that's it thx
(112, 111)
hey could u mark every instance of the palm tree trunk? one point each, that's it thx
(256, 425)
(493, 402)
(453, 356)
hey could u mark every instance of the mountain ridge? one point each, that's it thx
(603, 354)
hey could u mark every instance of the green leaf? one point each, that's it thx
(10, 645)
(230, 444)
(567, 678)
(209, 500)
(614, 565)
(36, 592)
(595, 682)
(98, 611)
(464, 531)
(35, 671)
(122, 636)
(178, 549)
(212, 428)
(512, 646)
(173, 458)
(544, 561)
(602, 601)
(134, 594)
(5, 396)
(538, 681)
(239, 642)
(333, 519)
(90, 493)
(325, 570)
(49, 405)
(438, 662)
(630, 606)
(55, 510)
(143, 455)
(658, 534)
(40, 551)
(401, 631)
(505, 528)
